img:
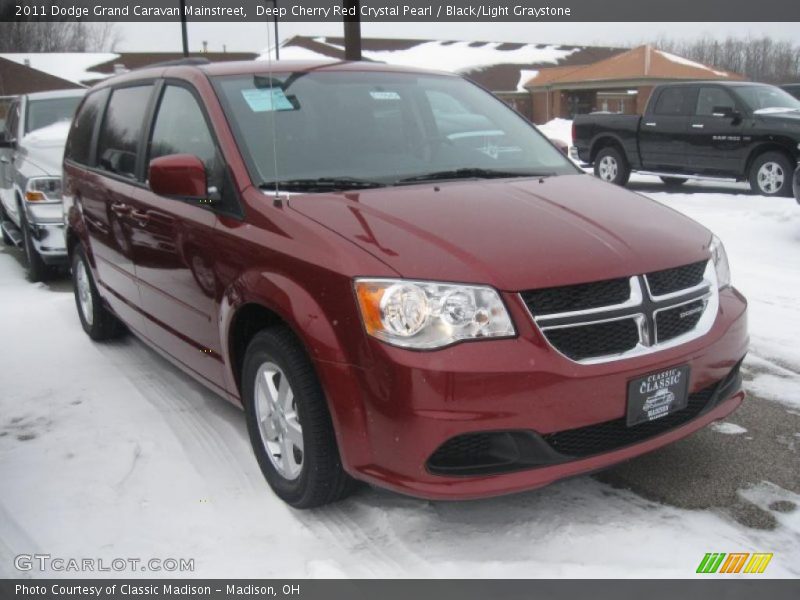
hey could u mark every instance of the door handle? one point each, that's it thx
(650, 124)
(698, 125)
(120, 209)
(140, 216)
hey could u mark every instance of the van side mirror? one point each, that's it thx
(181, 176)
(5, 142)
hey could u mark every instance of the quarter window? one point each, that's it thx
(122, 127)
(181, 128)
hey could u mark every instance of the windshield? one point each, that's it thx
(42, 113)
(767, 98)
(359, 129)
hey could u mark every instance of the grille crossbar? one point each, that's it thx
(654, 314)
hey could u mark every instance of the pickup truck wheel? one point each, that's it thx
(674, 181)
(97, 321)
(611, 166)
(288, 421)
(771, 175)
(3, 217)
(37, 269)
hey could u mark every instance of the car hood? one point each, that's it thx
(785, 118)
(513, 234)
(47, 157)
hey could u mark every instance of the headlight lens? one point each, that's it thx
(720, 258)
(43, 189)
(427, 315)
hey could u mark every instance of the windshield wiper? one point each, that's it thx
(468, 173)
(321, 183)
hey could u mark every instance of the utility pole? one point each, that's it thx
(352, 30)
(184, 33)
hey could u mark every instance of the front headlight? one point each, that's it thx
(427, 315)
(43, 189)
(720, 259)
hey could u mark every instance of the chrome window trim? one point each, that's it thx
(646, 344)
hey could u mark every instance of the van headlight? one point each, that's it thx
(427, 315)
(720, 259)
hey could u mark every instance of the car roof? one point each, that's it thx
(263, 67)
(71, 93)
(714, 82)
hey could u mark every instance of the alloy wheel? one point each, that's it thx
(770, 177)
(608, 168)
(84, 293)
(278, 421)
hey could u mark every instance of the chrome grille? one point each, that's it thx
(595, 323)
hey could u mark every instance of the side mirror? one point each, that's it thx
(561, 145)
(4, 141)
(181, 176)
(726, 112)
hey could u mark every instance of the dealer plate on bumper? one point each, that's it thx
(658, 394)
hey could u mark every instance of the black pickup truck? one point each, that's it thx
(731, 130)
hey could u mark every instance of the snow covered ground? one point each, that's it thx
(107, 451)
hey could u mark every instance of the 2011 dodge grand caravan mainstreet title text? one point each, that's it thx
(397, 276)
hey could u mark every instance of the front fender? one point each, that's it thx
(325, 343)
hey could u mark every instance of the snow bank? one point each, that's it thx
(689, 63)
(558, 129)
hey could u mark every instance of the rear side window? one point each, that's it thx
(181, 128)
(121, 130)
(676, 101)
(79, 144)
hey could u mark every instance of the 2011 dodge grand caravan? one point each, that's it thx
(398, 278)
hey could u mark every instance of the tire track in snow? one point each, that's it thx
(195, 415)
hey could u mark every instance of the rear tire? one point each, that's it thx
(37, 269)
(674, 181)
(97, 321)
(611, 165)
(3, 217)
(771, 175)
(289, 423)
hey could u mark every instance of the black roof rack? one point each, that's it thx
(186, 62)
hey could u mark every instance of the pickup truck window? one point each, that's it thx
(41, 113)
(676, 101)
(713, 97)
(119, 135)
(379, 128)
(80, 139)
(767, 98)
(181, 128)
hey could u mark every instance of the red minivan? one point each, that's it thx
(398, 277)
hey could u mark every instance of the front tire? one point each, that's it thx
(611, 165)
(37, 269)
(97, 321)
(771, 175)
(3, 217)
(289, 423)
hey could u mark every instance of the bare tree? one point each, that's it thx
(759, 59)
(69, 36)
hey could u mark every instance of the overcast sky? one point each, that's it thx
(252, 37)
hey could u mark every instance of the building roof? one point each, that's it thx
(18, 79)
(497, 66)
(642, 63)
(86, 68)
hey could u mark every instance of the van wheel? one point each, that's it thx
(610, 165)
(771, 175)
(288, 421)
(37, 269)
(97, 321)
(674, 181)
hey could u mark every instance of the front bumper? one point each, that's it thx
(47, 231)
(414, 402)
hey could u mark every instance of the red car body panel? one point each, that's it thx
(181, 276)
